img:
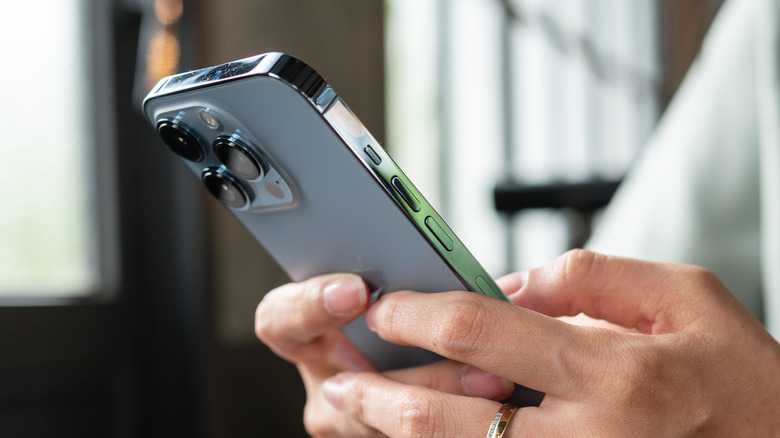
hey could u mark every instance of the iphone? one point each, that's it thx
(275, 143)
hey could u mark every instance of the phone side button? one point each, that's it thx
(484, 287)
(439, 232)
(376, 159)
(407, 196)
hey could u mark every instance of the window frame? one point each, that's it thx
(128, 360)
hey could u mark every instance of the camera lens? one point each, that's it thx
(181, 140)
(239, 158)
(226, 189)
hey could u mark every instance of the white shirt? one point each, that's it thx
(706, 189)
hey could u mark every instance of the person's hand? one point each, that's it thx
(300, 322)
(704, 365)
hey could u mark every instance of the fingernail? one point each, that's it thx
(332, 390)
(344, 296)
(479, 383)
(370, 317)
(518, 283)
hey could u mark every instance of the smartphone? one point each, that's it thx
(272, 140)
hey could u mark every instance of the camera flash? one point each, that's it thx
(209, 119)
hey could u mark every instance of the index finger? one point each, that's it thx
(521, 345)
(543, 353)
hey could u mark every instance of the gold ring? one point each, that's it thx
(502, 418)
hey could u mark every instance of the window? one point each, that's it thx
(484, 91)
(51, 229)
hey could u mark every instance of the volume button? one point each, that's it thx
(484, 287)
(406, 195)
(439, 232)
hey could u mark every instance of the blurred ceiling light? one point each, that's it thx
(168, 12)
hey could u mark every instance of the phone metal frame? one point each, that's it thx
(308, 83)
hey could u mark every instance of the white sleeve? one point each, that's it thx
(693, 194)
(768, 97)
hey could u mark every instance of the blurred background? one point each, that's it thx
(127, 294)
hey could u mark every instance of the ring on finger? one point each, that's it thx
(501, 420)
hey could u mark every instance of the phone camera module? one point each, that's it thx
(209, 119)
(239, 158)
(181, 140)
(226, 188)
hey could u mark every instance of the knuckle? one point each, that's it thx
(701, 276)
(576, 264)
(303, 314)
(418, 416)
(284, 315)
(460, 329)
(359, 396)
(267, 314)
(697, 285)
(264, 329)
(392, 317)
(314, 423)
(321, 420)
(385, 318)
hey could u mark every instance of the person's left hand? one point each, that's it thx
(703, 366)
(300, 322)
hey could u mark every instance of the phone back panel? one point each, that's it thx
(336, 214)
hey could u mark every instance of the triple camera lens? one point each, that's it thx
(181, 140)
(239, 159)
(226, 188)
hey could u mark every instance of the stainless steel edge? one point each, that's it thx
(292, 71)
(457, 259)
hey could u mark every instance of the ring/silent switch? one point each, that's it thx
(406, 195)
(439, 232)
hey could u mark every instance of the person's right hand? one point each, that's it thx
(300, 322)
